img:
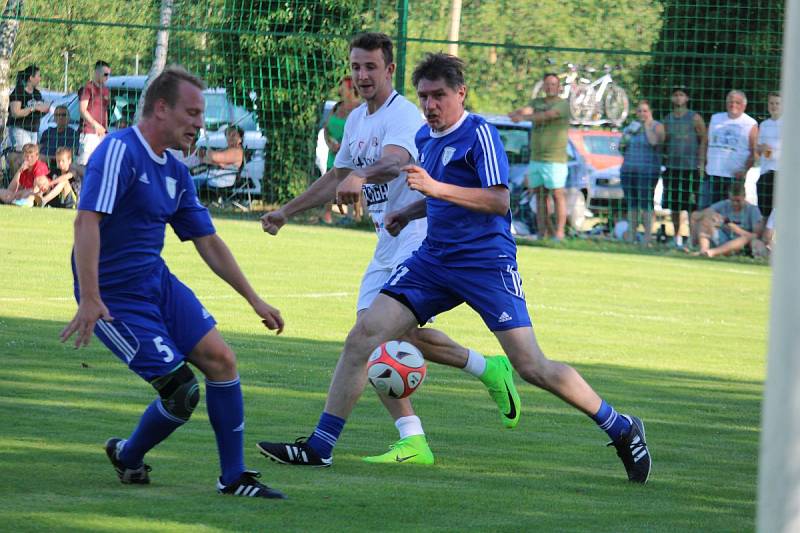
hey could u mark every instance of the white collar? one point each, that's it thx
(162, 160)
(451, 129)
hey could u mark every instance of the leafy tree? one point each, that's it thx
(713, 48)
(75, 27)
(291, 54)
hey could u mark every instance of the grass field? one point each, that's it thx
(678, 342)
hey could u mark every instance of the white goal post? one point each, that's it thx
(779, 465)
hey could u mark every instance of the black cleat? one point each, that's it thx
(129, 476)
(249, 486)
(299, 453)
(632, 450)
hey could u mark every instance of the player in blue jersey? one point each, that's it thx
(126, 294)
(468, 256)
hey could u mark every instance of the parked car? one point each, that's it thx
(125, 92)
(600, 148)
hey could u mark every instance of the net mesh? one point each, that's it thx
(271, 66)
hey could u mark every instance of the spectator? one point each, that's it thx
(24, 186)
(727, 226)
(94, 100)
(732, 140)
(640, 145)
(685, 151)
(766, 241)
(224, 164)
(60, 135)
(59, 192)
(25, 109)
(769, 151)
(334, 128)
(547, 172)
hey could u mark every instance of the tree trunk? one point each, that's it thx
(160, 55)
(8, 35)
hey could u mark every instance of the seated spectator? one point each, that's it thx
(62, 134)
(223, 164)
(727, 226)
(762, 247)
(58, 192)
(23, 186)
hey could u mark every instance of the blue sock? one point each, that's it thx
(226, 414)
(611, 421)
(326, 434)
(155, 425)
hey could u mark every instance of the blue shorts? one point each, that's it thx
(156, 324)
(428, 287)
(548, 174)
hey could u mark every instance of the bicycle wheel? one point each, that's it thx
(616, 105)
(581, 103)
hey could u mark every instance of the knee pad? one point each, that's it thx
(179, 392)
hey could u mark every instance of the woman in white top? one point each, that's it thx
(769, 151)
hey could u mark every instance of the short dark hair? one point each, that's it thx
(553, 74)
(165, 87)
(374, 41)
(237, 129)
(736, 189)
(100, 64)
(773, 94)
(440, 66)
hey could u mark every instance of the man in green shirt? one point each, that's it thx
(547, 172)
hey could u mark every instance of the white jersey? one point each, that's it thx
(395, 123)
(770, 133)
(728, 144)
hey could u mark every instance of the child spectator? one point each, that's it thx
(59, 192)
(21, 189)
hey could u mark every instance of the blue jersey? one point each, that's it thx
(470, 154)
(139, 192)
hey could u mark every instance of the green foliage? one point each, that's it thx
(78, 27)
(501, 71)
(292, 54)
(713, 48)
(678, 342)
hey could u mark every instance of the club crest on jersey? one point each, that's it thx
(171, 182)
(447, 155)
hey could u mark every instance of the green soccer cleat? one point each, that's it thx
(499, 380)
(410, 450)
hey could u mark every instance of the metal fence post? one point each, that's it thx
(400, 43)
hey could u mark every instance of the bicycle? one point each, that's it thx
(571, 81)
(601, 101)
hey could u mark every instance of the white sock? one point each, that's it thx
(408, 426)
(678, 240)
(476, 364)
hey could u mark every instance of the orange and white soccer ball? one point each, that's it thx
(396, 369)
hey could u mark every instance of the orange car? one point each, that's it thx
(600, 148)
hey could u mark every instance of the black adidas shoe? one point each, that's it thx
(132, 476)
(298, 453)
(249, 486)
(632, 449)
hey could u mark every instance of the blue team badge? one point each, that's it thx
(171, 186)
(447, 155)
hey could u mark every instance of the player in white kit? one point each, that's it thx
(379, 140)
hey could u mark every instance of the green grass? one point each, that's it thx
(679, 342)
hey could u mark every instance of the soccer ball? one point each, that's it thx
(396, 369)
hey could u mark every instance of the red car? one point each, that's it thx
(600, 148)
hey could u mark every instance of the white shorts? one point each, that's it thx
(89, 142)
(21, 137)
(371, 284)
